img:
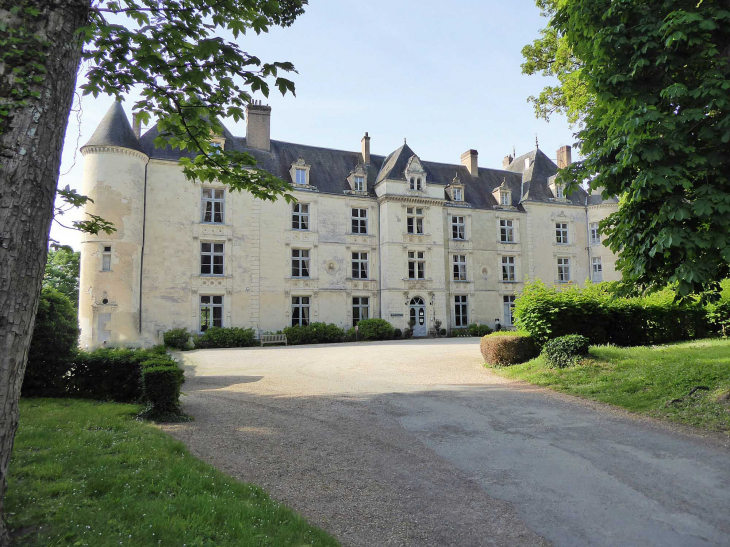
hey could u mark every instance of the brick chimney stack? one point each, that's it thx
(469, 160)
(258, 126)
(564, 157)
(365, 142)
(507, 161)
(136, 125)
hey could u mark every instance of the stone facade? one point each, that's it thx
(393, 237)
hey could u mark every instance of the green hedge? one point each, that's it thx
(162, 388)
(314, 333)
(177, 338)
(565, 351)
(218, 337)
(375, 329)
(604, 318)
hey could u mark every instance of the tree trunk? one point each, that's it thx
(38, 102)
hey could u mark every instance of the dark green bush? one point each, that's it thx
(565, 351)
(375, 329)
(460, 332)
(162, 388)
(442, 332)
(475, 329)
(314, 333)
(718, 313)
(177, 338)
(219, 337)
(508, 348)
(52, 346)
(603, 317)
(397, 333)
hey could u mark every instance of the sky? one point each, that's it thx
(444, 75)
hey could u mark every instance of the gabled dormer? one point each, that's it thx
(503, 195)
(358, 180)
(455, 190)
(415, 174)
(558, 190)
(299, 173)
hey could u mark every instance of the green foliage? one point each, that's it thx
(475, 329)
(177, 338)
(314, 333)
(718, 314)
(655, 132)
(233, 337)
(566, 350)
(397, 333)
(375, 329)
(603, 317)
(508, 348)
(62, 273)
(52, 347)
(161, 385)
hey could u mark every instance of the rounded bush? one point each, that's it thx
(565, 351)
(375, 329)
(177, 338)
(218, 337)
(475, 329)
(508, 348)
(397, 333)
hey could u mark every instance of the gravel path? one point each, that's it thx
(415, 443)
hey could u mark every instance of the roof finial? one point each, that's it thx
(404, 140)
(514, 151)
(536, 144)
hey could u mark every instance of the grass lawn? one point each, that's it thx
(644, 379)
(86, 473)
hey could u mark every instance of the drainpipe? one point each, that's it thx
(588, 240)
(380, 268)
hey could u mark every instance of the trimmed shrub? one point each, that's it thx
(458, 333)
(177, 338)
(375, 329)
(314, 333)
(565, 351)
(475, 329)
(442, 332)
(508, 348)
(162, 388)
(397, 333)
(219, 337)
(52, 346)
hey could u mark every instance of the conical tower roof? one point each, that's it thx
(115, 130)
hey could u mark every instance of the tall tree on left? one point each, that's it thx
(189, 79)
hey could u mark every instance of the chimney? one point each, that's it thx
(258, 126)
(365, 142)
(564, 159)
(136, 125)
(507, 161)
(469, 160)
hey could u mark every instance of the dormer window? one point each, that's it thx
(300, 172)
(558, 190)
(416, 183)
(415, 174)
(458, 196)
(358, 179)
(505, 198)
(559, 193)
(359, 183)
(455, 189)
(503, 195)
(301, 176)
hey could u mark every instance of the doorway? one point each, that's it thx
(418, 314)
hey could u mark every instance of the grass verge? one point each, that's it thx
(86, 473)
(655, 381)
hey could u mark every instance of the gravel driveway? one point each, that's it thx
(415, 443)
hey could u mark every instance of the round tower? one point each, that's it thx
(109, 285)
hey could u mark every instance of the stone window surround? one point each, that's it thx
(425, 261)
(300, 164)
(104, 254)
(597, 239)
(367, 261)
(462, 265)
(465, 303)
(359, 171)
(222, 305)
(308, 215)
(213, 200)
(414, 170)
(226, 255)
(514, 265)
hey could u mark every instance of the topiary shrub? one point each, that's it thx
(177, 338)
(397, 333)
(219, 337)
(162, 389)
(565, 351)
(442, 332)
(475, 329)
(314, 333)
(375, 329)
(508, 348)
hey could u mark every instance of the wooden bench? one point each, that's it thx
(273, 339)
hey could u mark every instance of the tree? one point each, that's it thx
(655, 131)
(189, 78)
(62, 273)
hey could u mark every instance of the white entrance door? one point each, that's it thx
(418, 314)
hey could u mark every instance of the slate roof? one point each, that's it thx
(115, 130)
(537, 178)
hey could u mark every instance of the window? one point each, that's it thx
(359, 221)
(360, 309)
(213, 206)
(561, 233)
(211, 258)
(509, 306)
(300, 216)
(508, 268)
(458, 228)
(414, 220)
(359, 265)
(211, 312)
(359, 183)
(416, 265)
(300, 310)
(559, 193)
(416, 183)
(106, 259)
(563, 270)
(461, 314)
(301, 176)
(459, 267)
(504, 198)
(595, 234)
(413, 183)
(506, 231)
(457, 194)
(596, 269)
(300, 263)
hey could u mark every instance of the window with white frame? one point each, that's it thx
(211, 258)
(300, 216)
(508, 301)
(461, 311)
(563, 270)
(559, 191)
(595, 234)
(505, 198)
(359, 265)
(458, 228)
(359, 183)
(416, 183)
(508, 268)
(300, 310)
(106, 259)
(459, 267)
(359, 221)
(213, 206)
(211, 312)
(416, 265)
(360, 309)
(506, 231)
(300, 262)
(301, 176)
(561, 233)
(596, 269)
(414, 220)
(458, 196)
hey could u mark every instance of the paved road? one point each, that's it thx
(415, 443)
